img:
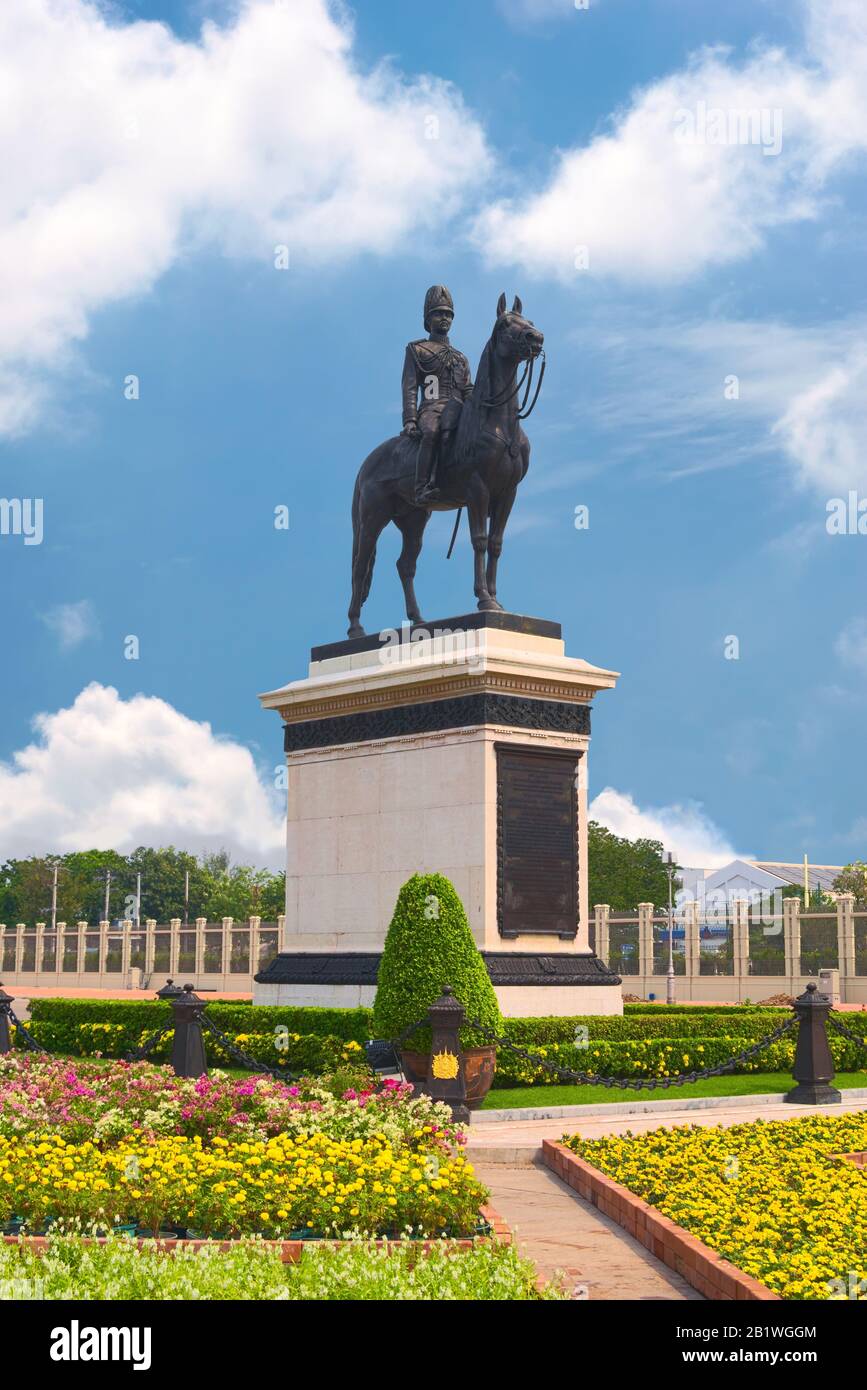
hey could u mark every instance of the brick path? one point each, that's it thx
(559, 1231)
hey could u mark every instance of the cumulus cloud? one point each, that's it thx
(109, 773)
(672, 189)
(684, 828)
(72, 623)
(124, 148)
(850, 646)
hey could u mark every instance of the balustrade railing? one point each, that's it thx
(220, 955)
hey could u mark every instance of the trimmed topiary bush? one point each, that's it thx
(429, 945)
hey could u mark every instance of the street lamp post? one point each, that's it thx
(669, 982)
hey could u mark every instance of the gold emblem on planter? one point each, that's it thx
(445, 1066)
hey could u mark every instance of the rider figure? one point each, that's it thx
(443, 376)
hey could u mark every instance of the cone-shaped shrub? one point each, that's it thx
(429, 945)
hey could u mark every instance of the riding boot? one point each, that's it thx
(424, 489)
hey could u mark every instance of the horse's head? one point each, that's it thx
(514, 336)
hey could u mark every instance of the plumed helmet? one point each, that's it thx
(437, 297)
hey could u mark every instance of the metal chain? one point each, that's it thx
(408, 1032)
(846, 1032)
(140, 1053)
(637, 1083)
(31, 1042)
(246, 1061)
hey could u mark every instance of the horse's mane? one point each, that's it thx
(482, 391)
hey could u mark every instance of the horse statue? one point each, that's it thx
(489, 456)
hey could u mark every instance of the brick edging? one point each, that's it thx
(703, 1268)
(291, 1251)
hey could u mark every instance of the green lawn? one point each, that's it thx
(525, 1097)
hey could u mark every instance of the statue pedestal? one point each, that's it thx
(460, 748)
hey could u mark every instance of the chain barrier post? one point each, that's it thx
(814, 1066)
(6, 1002)
(446, 1079)
(188, 1047)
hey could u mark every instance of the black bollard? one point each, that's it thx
(169, 991)
(446, 1076)
(6, 1002)
(814, 1065)
(188, 1048)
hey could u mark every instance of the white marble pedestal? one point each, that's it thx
(463, 753)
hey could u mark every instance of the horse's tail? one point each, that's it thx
(361, 581)
(356, 517)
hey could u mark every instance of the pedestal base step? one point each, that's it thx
(528, 983)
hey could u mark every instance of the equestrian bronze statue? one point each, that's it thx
(462, 445)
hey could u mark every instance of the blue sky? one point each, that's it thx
(154, 171)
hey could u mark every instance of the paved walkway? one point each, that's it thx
(561, 1233)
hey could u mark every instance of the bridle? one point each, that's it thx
(523, 412)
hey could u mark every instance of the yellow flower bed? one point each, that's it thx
(773, 1197)
(308, 1182)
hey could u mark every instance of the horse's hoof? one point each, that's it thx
(356, 630)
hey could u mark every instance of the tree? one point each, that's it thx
(816, 902)
(162, 882)
(853, 880)
(624, 873)
(429, 945)
(217, 889)
(242, 891)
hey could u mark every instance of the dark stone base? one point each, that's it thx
(504, 968)
(813, 1093)
(465, 622)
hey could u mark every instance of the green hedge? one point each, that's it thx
(658, 1056)
(229, 1015)
(304, 1053)
(318, 1038)
(531, 1031)
(667, 1009)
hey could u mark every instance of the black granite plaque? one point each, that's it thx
(537, 842)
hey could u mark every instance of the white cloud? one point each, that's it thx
(124, 148)
(108, 773)
(802, 395)
(693, 838)
(652, 206)
(851, 645)
(824, 430)
(72, 623)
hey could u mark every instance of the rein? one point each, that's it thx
(523, 414)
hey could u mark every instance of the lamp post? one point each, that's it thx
(669, 982)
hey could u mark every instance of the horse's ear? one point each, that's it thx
(501, 305)
(517, 307)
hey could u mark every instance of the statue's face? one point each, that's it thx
(518, 337)
(440, 322)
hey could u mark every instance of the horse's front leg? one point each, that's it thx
(477, 511)
(500, 509)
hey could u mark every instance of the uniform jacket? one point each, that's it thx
(425, 360)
